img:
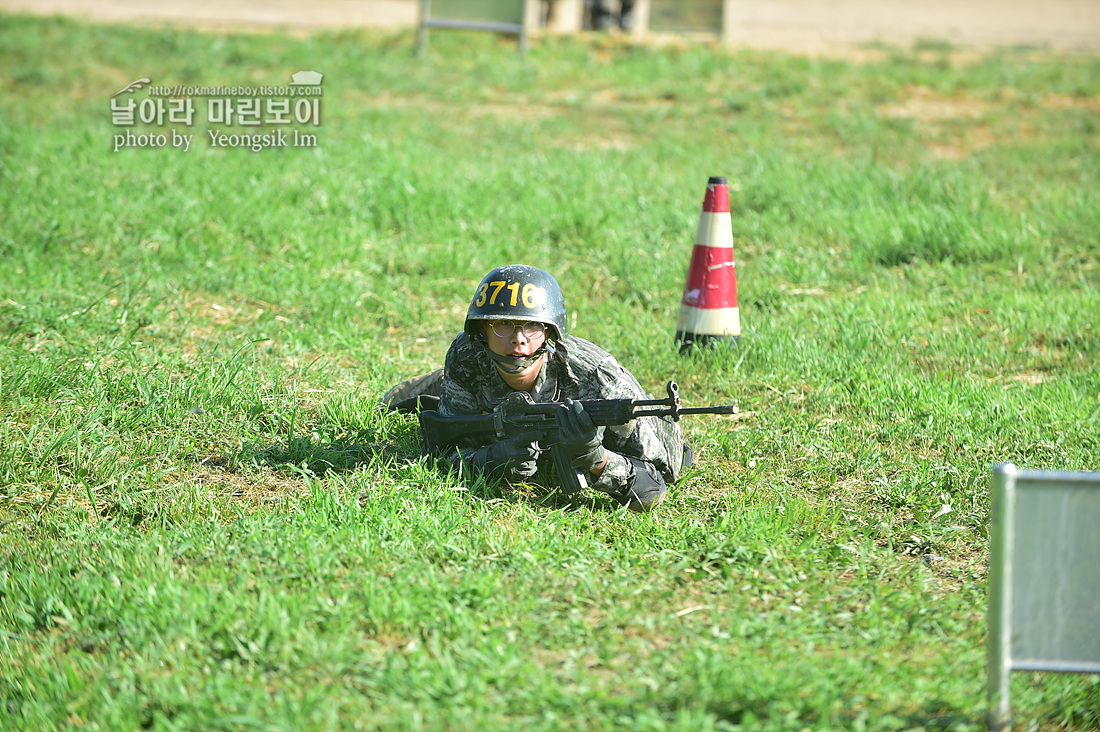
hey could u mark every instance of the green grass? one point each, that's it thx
(206, 522)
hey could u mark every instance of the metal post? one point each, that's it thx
(998, 642)
(422, 36)
(530, 20)
(641, 15)
(729, 21)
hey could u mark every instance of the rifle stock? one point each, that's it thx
(441, 431)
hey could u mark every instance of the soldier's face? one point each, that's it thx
(517, 343)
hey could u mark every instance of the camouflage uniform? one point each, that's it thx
(647, 450)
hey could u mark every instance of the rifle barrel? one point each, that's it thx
(675, 413)
(716, 409)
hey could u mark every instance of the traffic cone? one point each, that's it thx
(708, 310)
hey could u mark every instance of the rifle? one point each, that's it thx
(518, 414)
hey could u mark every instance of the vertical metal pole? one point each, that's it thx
(999, 640)
(422, 35)
(531, 13)
(641, 15)
(729, 22)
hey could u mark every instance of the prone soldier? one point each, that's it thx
(516, 339)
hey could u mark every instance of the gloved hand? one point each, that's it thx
(580, 439)
(513, 457)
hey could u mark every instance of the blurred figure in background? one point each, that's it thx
(603, 18)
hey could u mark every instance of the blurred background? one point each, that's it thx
(795, 25)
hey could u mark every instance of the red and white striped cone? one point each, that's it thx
(708, 310)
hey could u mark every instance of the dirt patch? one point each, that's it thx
(922, 104)
(814, 27)
(228, 15)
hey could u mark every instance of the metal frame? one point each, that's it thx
(427, 21)
(1006, 482)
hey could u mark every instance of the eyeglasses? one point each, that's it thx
(505, 328)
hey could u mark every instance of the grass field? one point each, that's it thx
(207, 523)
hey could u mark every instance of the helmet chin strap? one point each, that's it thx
(514, 365)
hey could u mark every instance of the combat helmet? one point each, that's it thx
(518, 292)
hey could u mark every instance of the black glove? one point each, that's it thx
(580, 439)
(514, 457)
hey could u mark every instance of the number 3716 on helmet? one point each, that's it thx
(519, 292)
